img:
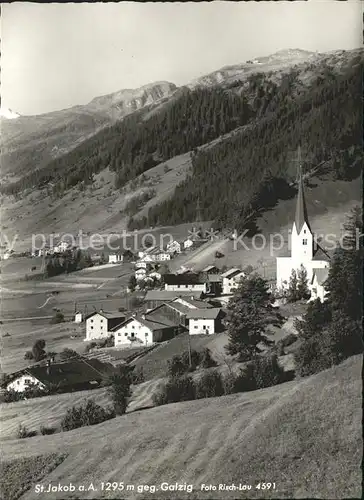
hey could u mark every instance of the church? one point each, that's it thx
(304, 251)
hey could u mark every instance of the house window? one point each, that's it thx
(304, 231)
(196, 326)
(92, 320)
(146, 334)
(27, 381)
(18, 382)
(92, 327)
(132, 334)
(126, 334)
(304, 241)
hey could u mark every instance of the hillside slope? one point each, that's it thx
(305, 436)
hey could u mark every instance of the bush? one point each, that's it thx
(265, 371)
(57, 318)
(175, 390)
(119, 389)
(88, 414)
(207, 360)
(210, 385)
(28, 355)
(138, 376)
(46, 431)
(23, 432)
(68, 354)
(90, 346)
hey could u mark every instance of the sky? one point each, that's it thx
(54, 56)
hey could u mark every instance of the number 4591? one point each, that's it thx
(265, 486)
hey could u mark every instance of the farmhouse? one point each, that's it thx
(99, 324)
(154, 298)
(188, 281)
(144, 330)
(304, 250)
(71, 375)
(204, 321)
(116, 258)
(231, 279)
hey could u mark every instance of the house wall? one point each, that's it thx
(172, 314)
(199, 326)
(20, 383)
(286, 264)
(133, 329)
(301, 252)
(200, 287)
(230, 284)
(97, 327)
(78, 318)
(115, 258)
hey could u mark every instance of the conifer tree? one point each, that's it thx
(292, 295)
(302, 286)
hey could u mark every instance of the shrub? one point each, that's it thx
(207, 360)
(23, 432)
(88, 414)
(38, 351)
(176, 367)
(90, 346)
(229, 383)
(57, 318)
(119, 389)
(68, 354)
(138, 376)
(45, 431)
(265, 371)
(175, 390)
(28, 355)
(210, 385)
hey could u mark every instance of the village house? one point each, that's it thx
(231, 280)
(188, 282)
(116, 258)
(71, 375)
(154, 298)
(204, 321)
(78, 317)
(304, 250)
(61, 247)
(99, 324)
(214, 284)
(144, 330)
(174, 247)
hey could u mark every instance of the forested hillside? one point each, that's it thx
(241, 135)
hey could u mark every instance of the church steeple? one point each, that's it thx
(301, 210)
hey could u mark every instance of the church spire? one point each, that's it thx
(301, 210)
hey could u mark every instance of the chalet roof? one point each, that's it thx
(72, 372)
(209, 268)
(155, 321)
(301, 209)
(183, 279)
(212, 313)
(163, 295)
(178, 307)
(199, 304)
(321, 275)
(107, 315)
(231, 272)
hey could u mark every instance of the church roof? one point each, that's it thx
(321, 254)
(301, 209)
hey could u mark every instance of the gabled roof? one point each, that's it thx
(154, 321)
(321, 254)
(178, 307)
(183, 279)
(107, 315)
(72, 372)
(212, 313)
(209, 268)
(199, 304)
(231, 272)
(164, 295)
(301, 209)
(321, 275)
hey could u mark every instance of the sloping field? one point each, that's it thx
(155, 363)
(49, 410)
(304, 436)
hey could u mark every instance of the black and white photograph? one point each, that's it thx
(181, 250)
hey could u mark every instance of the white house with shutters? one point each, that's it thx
(304, 251)
(231, 280)
(204, 321)
(99, 324)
